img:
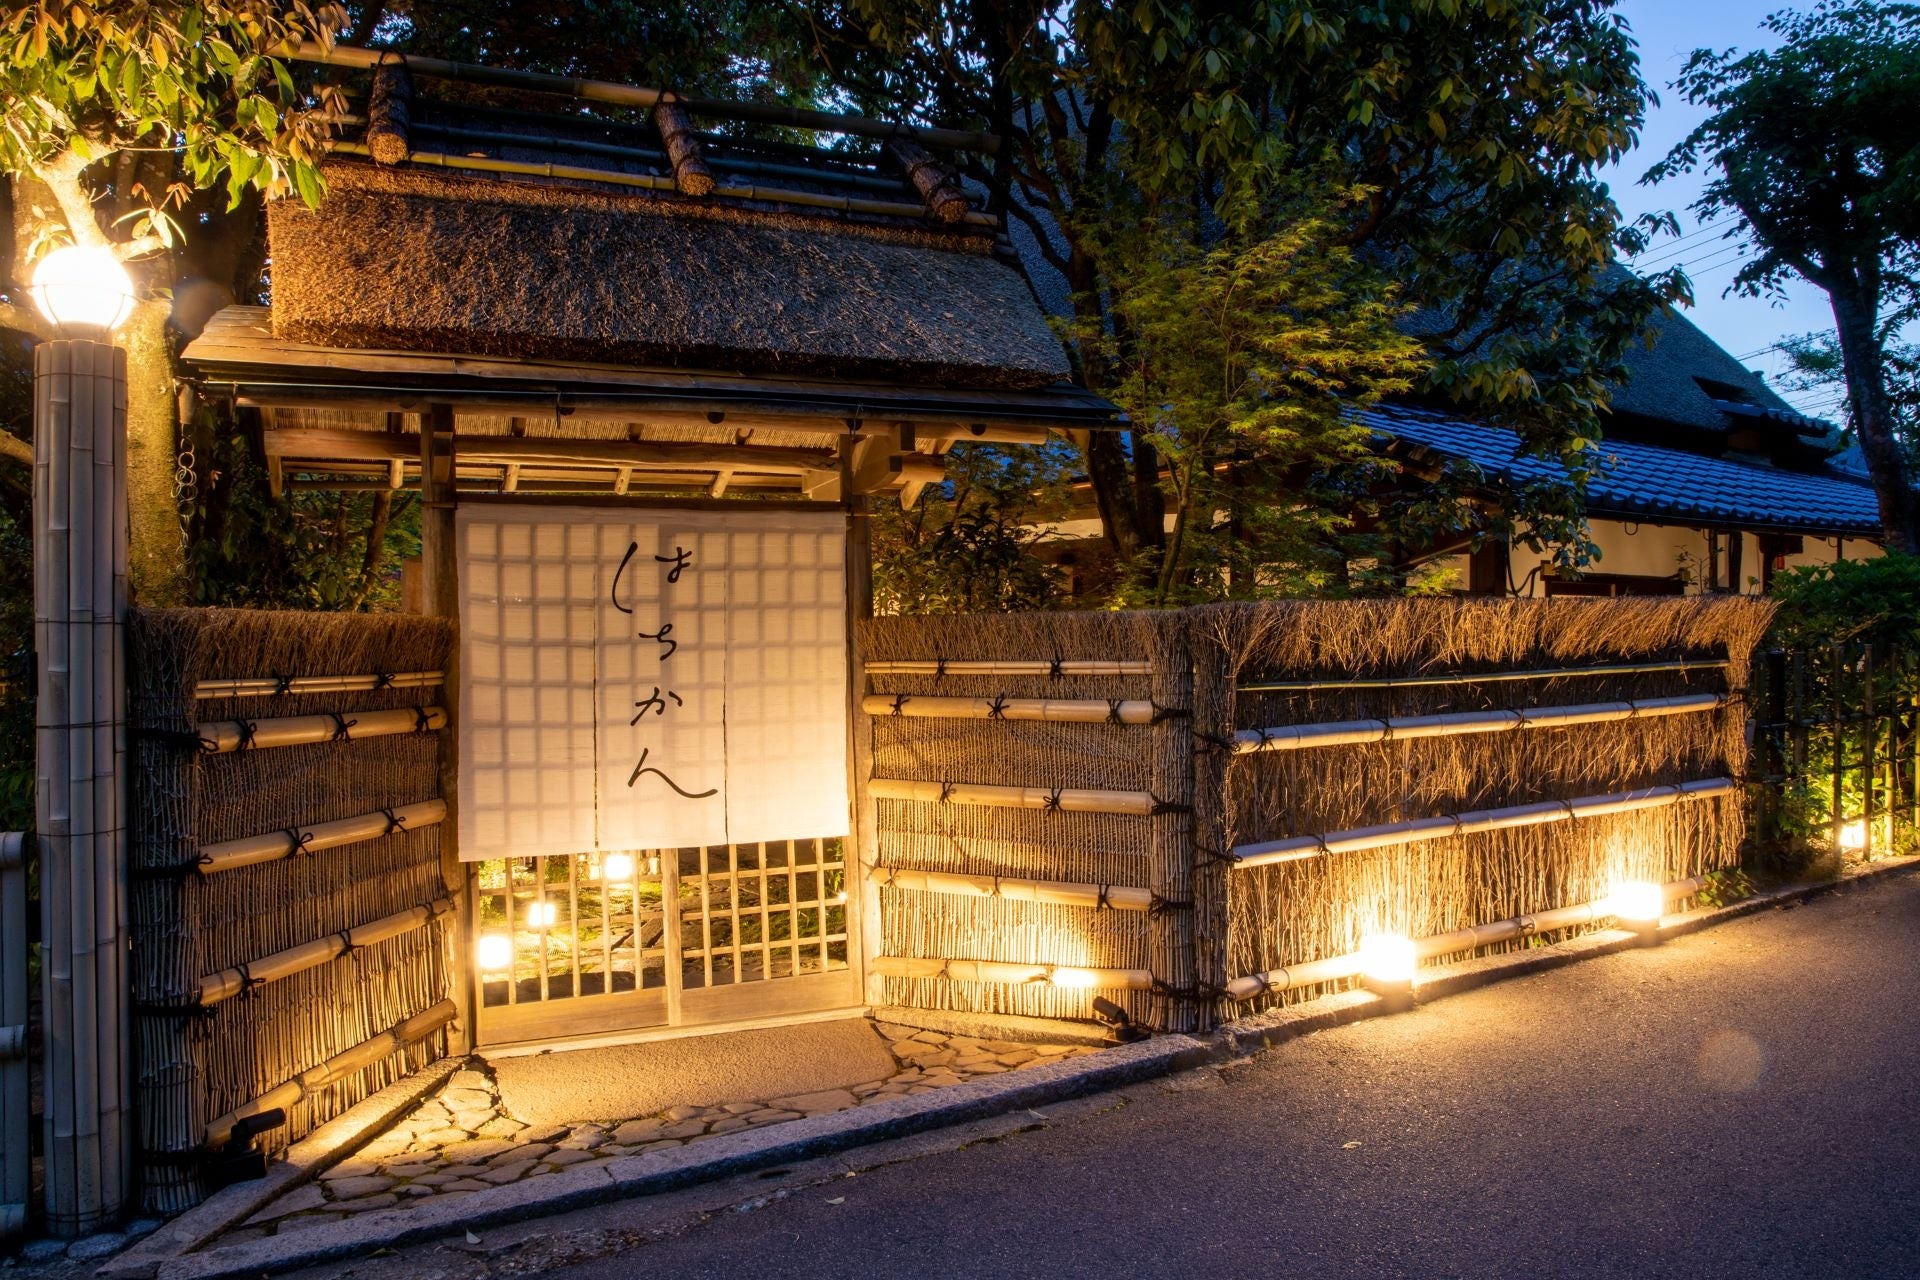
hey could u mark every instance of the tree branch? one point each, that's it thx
(24, 320)
(62, 177)
(14, 449)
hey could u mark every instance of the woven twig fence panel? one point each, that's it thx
(195, 1065)
(1048, 843)
(1324, 906)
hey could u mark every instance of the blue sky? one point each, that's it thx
(1668, 31)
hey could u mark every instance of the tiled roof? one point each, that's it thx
(1631, 479)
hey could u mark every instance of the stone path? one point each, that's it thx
(461, 1139)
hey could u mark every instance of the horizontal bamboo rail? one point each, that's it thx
(228, 983)
(220, 736)
(656, 182)
(1341, 733)
(1062, 799)
(1043, 667)
(1472, 938)
(1483, 677)
(1000, 707)
(1269, 853)
(1055, 892)
(248, 851)
(317, 684)
(1060, 975)
(359, 1058)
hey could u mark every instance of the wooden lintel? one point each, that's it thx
(324, 444)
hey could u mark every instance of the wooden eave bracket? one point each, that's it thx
(886, 460)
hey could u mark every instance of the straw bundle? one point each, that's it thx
(196, 1066)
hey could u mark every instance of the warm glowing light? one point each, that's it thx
(618, 868)
(1853, 836)
(840, 896)
(1637, 902)
(494, 951)
(78, 287)
(542, 914)
(1388, 958)
(1078, 979)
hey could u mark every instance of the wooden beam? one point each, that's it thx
(325, 443)
(388, 111)
(690, 172)
(937, 187)
(719, 486)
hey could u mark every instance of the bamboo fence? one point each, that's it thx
(1152, 807)
(16, 1106)
(292, 932)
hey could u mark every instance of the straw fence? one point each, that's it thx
(1195, 813)
(291, 923)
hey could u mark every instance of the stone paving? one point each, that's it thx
(461, 1139)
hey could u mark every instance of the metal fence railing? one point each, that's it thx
(1836, 749)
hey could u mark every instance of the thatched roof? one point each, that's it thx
(411, 259)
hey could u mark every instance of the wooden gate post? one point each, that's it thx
(439, 566)
(80, 607)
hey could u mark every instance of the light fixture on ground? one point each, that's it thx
(1073, 979)
(542, 914)
(1853, 836)
(617, 869)
(494, 953)
(1637, 905)
(1387, 964)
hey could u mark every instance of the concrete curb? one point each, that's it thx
(305, 1159)
(759, 1149)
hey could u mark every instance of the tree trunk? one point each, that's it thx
(375, 556)
(157, 562)
(1861, 359)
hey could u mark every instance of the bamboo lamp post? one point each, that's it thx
(80, 605)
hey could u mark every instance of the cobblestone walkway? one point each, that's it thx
(461, 1140)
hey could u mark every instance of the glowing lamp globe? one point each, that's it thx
(1853, 836)
(617, 869)
(494, 951)
(82, 288)
(1388, 960)
(542, 914)
(1637, 902)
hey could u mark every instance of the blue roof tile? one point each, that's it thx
(1632, 479)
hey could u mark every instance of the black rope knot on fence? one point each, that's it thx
(382, 680)
(343, 727)
(1113, 710)
(282, 684)
(1056, 668)
(248, 983)
(997, 708)
(1103, 904)
(422, 720)
(1167, 806)
(946, 792)
(1053, 800)
(939, 669)
(1210, 743)
(395, 822)
(247, 729)
(297, 840)
(1159, 906)
(900, 701)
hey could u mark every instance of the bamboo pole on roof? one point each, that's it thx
(1395, 728)
(1472, 938)
(943, 196)
(220, 736)
(1063, 799)
(690, 172)
(1267, 853)
(1055, 892)
(1043, 667)
(1001, 707)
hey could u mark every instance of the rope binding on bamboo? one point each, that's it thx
(1455, 723)
(220, 737)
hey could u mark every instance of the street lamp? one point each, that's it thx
(80, 801)
(83, 290)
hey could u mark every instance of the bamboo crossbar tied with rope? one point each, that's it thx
(273, 686)
(1472, 938)
(1481, 677)
(1001, 707)
(336, 1068)
(1059, 975)
(220, 736)
(1054, 892)
(1054, 799)
(1269, 853)
(1342, 733)
(1044, 667)
(224, 985)
(247, 851)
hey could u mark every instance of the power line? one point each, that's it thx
(1667, 248)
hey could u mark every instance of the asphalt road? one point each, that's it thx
(1743, 1102)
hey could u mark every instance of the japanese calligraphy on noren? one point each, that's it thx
(656, 702)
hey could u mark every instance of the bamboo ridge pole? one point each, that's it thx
(942, 667)
(1059, 975)
(1062, 799)
(1056, 892)
(654, 182)
(271, 846)
(388, 112)
(690, 172)
(224, 985)
(937, 187)
(1269, 853)
(1001, 707)
(1484, 677)
(1340, 733)
(334, 1069)
(1472, 938)
(260, 688)
(218, 737)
